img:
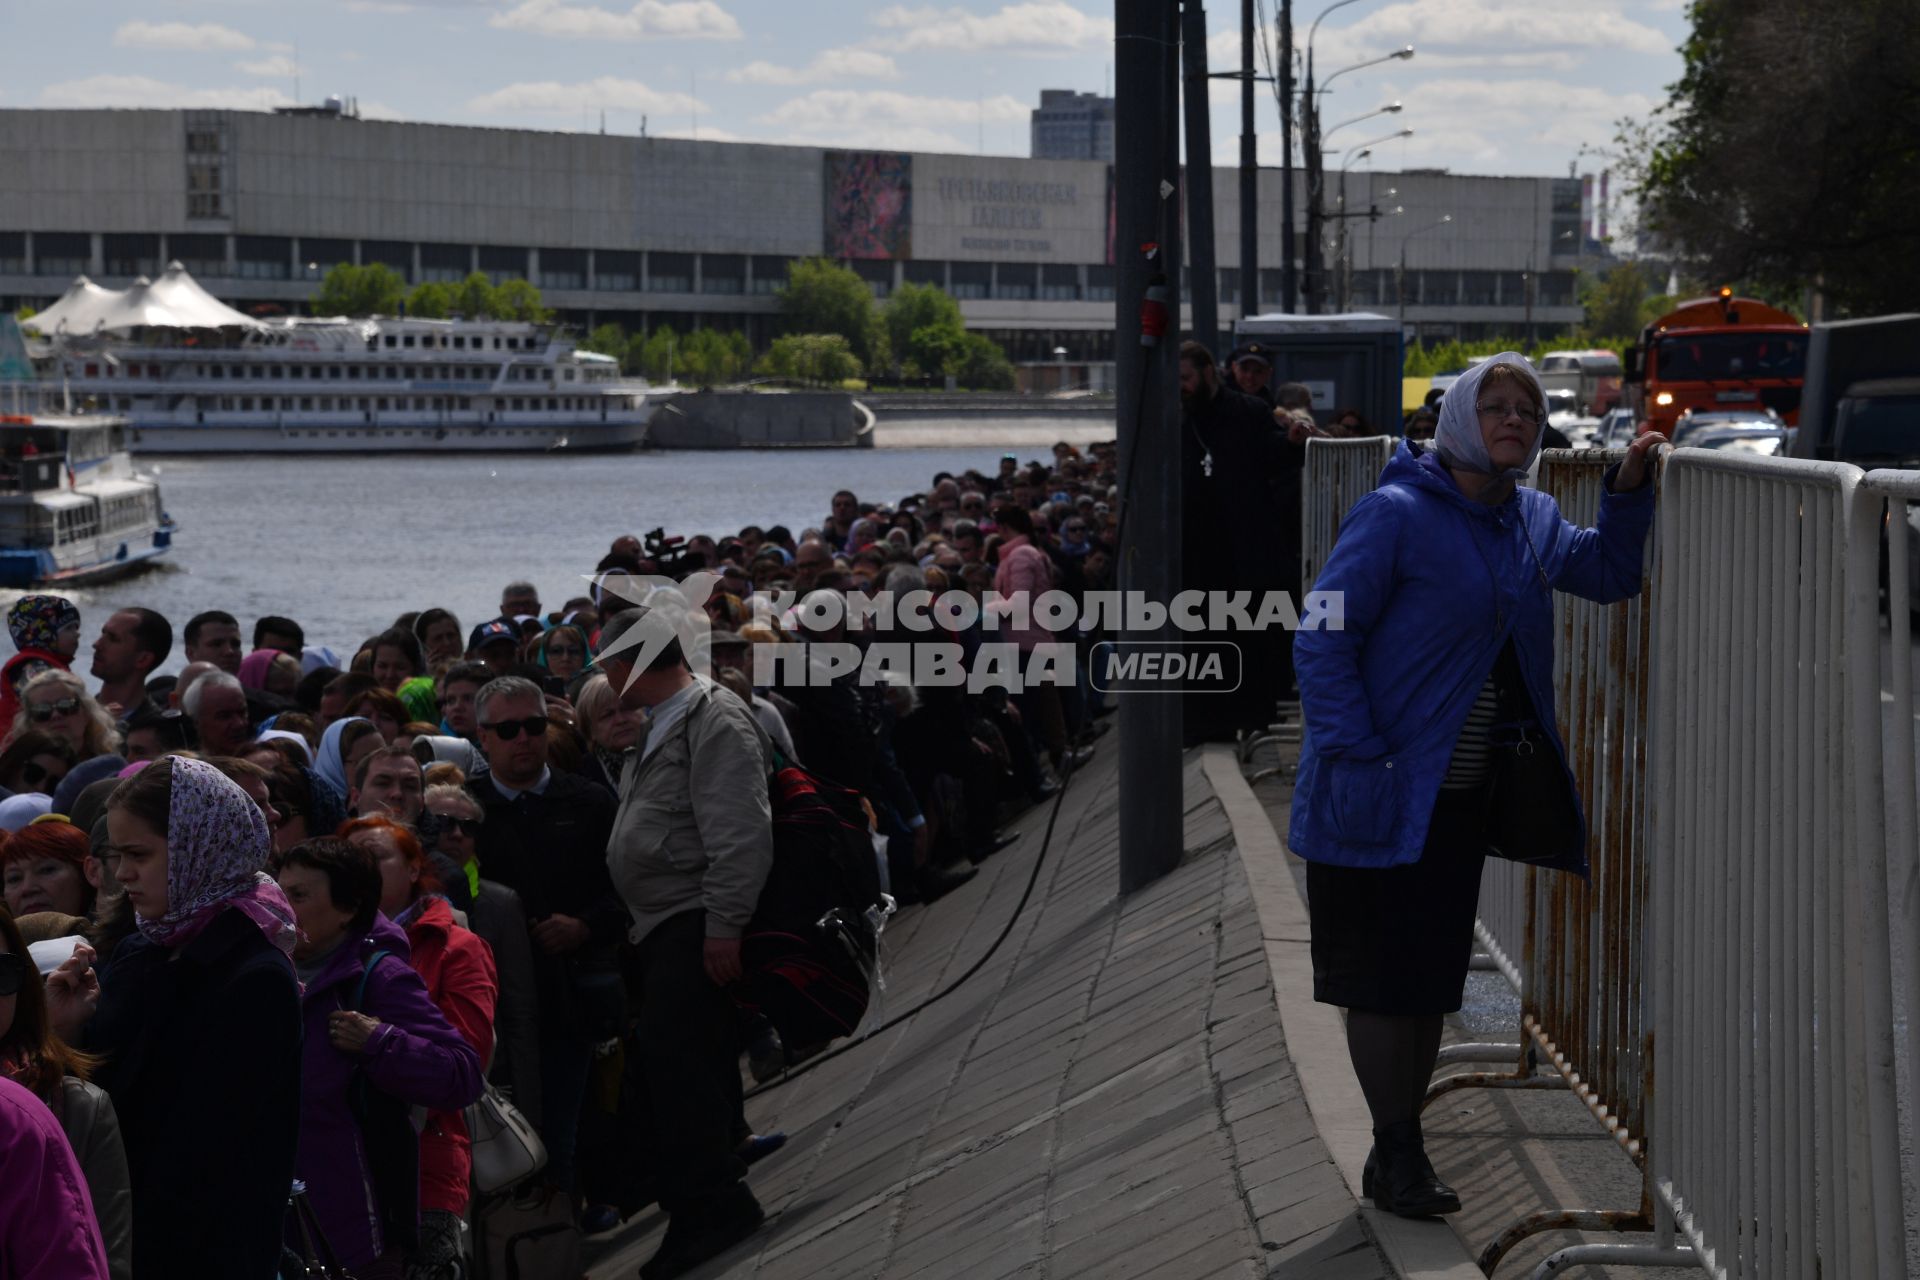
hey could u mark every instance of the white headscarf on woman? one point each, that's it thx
(1458, 437)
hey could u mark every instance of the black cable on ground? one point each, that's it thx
(1126, 510)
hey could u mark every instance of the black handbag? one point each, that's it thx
(1532, 814)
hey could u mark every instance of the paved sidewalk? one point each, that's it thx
(1109, 1096)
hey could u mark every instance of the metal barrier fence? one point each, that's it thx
(1773, 1136)
(1338, 474)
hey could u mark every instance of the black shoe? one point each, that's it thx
(936, 882)
(1045, 791)
(708, 1231)
(993, 845)
(1400, 1179)
(1076, 760)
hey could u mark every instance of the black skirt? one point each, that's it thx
(1397, 940)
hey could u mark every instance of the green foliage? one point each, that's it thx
(518, 300)
(983, 366)
(473, 297)
(822, 297)
(25, 314)
(1787, 156)
(814, 358)
(708, 357)
(430, 300)
(924, 329)
(607, 340)
(347, 290)
(653, 354)
(1615, 300)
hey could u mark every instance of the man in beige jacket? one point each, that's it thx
(691, 846)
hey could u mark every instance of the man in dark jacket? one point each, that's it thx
(1239, 531)
(545, 837)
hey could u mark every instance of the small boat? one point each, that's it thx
(72, 508)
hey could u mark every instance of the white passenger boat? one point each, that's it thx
(192, 375)
(72, 508)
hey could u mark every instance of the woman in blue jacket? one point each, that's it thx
(1422, 719)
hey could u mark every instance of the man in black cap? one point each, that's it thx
(1251, 365)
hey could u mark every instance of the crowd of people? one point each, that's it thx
(285, 915)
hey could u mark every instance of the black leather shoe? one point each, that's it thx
(936, 882)
(991, 847)
(1399, 1177)
(704, 1233)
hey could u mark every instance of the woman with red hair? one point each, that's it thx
(43, 867)
(457, 966)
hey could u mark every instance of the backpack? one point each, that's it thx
(810, 951)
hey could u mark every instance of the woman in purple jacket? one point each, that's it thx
(376, 1046)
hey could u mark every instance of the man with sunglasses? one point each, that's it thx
(545, 837)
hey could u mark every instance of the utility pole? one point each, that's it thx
(1289, 286)
(1316, 217)
(1147, 254)
(1200, 229)
(1249, 173)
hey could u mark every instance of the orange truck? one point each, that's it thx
(1720, 354)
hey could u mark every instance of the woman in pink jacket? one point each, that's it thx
(1025, 573)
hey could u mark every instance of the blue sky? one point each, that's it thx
(1494, 87)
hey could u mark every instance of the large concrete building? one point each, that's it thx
(1072, 126)
(646, 231)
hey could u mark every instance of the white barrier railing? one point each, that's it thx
(1338, 474)
(1772, 1133)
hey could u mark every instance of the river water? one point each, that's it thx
(345, 545)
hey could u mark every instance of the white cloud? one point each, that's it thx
(1488, 28)
(378, 6)
(887, 119)
(182, 37)
(279, 66)
(648, 19)
(143, 91)
(1043, 26)
(610, 92)
(827, 67)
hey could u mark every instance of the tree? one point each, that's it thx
(923, 327)
(518, 300)
(1613, 300)
(822, 297)
(815, 358)
(608, 340)
(654, 354)
(375, 289)
(473, 297)
(983, 365)
(1788, 154)
(430, 300)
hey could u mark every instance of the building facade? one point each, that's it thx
(649, 231)
(1073, 126)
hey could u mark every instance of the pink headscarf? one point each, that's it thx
(254, 668)
(217, 846)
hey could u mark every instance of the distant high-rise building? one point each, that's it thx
(1073, 126)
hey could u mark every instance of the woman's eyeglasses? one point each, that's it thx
(13, 973)
(511, 729)
(468, 827)
(48, 710)
(565, 651)
(1498, 412)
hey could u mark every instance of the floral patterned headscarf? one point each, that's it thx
(217, 846)
(35, 622)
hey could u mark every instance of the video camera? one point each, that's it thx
(669, 554)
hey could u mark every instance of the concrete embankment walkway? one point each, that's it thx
(1111, 1095)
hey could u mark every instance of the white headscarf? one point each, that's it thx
(1458, 437)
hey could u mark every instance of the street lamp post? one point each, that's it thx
(1445, 218)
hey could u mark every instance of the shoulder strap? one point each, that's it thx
(360, 992)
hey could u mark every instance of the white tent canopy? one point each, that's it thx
(174, 301)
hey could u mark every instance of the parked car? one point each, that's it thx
(1699, 420)
(1617, 429)
(1767, 441)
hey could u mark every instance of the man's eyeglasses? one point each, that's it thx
(1498, 412)
(13, 973)
(48, 710)
(508, 730)
(34, 773)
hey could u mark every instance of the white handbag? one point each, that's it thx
(506, 1150)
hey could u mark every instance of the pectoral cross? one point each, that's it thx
(1206, 464)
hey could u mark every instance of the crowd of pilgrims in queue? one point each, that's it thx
(241, 900)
